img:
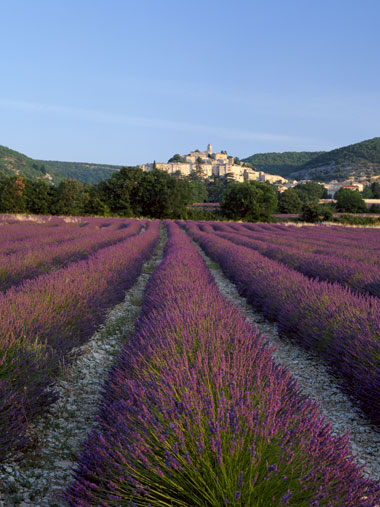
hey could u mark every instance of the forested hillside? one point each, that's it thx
(359, 160)
(281, 163)
(13, 163)
(83, 172)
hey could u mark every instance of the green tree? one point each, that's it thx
(176, 158)
(216, 186)
(375, 188)
(93, 204)
(124, 192)
(165, 196)
(367, 192)
(252, 201)
(311, 212)
(39, 197)
(12, 194)
(289, 201)
(69, 198)
(310, 191)
(199, 190)
(350, 201)
(198, 171)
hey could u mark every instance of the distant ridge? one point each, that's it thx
(82, 171)
(14, 163)
(359, 161)
(281, 163)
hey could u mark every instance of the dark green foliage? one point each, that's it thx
(69, 198)
(368, 150)
(252, 201)
(216, 186)
(39, 197)
(133, 192)
(374, 208)
(327, 213)
(83, 172)
(12, 194)
(310, 191)
(311, 212)
(93, 205)
(287, 163)
(13, 163)
(289, 202)
(281, 163)
(350, 201)
(371, 191)
(199, 190)
(122, 189)
(356, 220)
(375, 188)
(176, 158)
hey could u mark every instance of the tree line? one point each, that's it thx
(131, 192)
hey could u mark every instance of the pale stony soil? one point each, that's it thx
(315, 380)
(44, 473)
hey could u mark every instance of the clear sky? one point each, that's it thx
(129, 81)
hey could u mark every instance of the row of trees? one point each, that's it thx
(133, 192)
(129, 192)
(295, 200)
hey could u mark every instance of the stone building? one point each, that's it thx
(208, 164)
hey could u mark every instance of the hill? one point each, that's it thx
(281, 163)
(360, 161)
(83, 172)
(13, 163)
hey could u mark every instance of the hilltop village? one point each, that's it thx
(208, 164)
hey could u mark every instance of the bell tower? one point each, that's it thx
(209, 149)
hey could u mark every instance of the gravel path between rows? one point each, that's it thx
(314, 379)
(44, 473)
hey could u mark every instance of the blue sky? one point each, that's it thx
(129, 81)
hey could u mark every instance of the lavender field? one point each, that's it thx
(194, 411)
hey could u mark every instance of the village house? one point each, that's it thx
(208, 164)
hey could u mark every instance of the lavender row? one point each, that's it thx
(358, 276)
(196, 413)
(293, 237)
(28, 235)
(344, 327)
(346, 235)
(42, 320)
(30, 263)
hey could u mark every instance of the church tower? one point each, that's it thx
(209, 149)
